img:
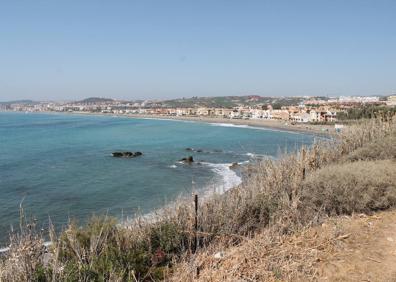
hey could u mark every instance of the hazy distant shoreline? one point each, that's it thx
(264, 123)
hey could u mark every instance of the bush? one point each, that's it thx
(101, 250)
(380, 149)
(351, 187)
(368, 112)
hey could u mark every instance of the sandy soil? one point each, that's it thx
(357, 248)
(368, 254)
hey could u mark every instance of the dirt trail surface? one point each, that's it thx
(369, 252)
(356, 248)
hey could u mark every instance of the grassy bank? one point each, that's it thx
(351, 173)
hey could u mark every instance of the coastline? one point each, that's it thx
(265, 124)
(262, 123)
(323, 130)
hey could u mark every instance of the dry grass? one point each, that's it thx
(263, 258)
(362, 186)
(271, 199)
(377, 150)
(343, 248)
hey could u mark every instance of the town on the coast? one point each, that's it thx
(292, 109)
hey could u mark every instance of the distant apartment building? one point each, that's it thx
(223, 112)
(391, 101)
(280, 114)
(186, 111)
(322, 116)
(203, 111)
(301, 117)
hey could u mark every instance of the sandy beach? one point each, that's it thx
(272, 124)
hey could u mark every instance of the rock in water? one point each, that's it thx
(187, 160)
(126, 154)
(117, 154)
(234, 166)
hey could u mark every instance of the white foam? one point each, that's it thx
(229, 180)
(229, 125)
(173, 166)
(6, 249)
(229, 177)
(165, 119)
(259, 156)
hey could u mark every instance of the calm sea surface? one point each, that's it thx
(61, 165)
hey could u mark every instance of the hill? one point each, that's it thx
(25, 102)
(231, 101)
(96, 100)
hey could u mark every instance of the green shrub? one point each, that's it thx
(100, 250)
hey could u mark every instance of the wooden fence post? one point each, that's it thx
(196, 222)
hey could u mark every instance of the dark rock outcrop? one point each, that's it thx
(126, 154)
(187, 160)
(234, 166)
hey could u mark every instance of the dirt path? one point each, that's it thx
(357, 248)
(369, 252)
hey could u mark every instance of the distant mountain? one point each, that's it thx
(95, 100)
(25, 102)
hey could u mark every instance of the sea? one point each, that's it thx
(60, 167)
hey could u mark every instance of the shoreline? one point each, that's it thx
(262, 123)
(324, 130)
(207, 193)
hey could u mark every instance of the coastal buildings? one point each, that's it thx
(391, 101)
(303, 110)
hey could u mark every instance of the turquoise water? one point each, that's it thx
(61, 165)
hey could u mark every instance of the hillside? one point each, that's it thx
(338, 233)
(24, 102)
(232, 101)
(288, 221)
(95, 100)
(348, 248)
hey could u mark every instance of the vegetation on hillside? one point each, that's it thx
(366, 112)
(232, 101)
(95, 100)
(338, 176)
(25, 102)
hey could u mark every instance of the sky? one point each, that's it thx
(72, 49)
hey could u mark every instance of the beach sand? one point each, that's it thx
(273, 124)
(319, 129)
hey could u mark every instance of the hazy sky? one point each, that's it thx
(161, 49)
